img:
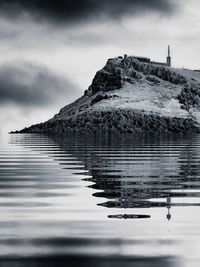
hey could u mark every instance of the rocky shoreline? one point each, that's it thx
(120, 121)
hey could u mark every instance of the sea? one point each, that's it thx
(100, 201)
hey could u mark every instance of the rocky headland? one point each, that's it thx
(129, 96)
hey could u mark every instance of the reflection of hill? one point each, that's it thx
(74, 261)
(138, 172)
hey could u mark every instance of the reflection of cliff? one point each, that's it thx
(97, 261)
(138, 172)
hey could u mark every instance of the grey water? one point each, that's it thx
(99, 200)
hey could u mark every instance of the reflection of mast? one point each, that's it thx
(168, 208)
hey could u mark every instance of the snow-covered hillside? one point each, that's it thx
(128, 96)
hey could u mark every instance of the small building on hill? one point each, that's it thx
(148, 60)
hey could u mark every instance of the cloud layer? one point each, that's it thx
(77, 10)
(26, 84)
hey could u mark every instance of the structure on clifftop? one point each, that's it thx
(169, 57)
(148, 60)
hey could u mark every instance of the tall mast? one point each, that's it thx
(169, 57)
(168, 50)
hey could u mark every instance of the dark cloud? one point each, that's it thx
(34, 86)
(77, 10)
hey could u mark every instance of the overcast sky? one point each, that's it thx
(51, 50)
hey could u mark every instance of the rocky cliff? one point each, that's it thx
(132, 96)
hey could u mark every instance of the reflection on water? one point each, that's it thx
(133, 172)
(91, 262)
(101, 201)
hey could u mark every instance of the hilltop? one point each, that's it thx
(128, 95)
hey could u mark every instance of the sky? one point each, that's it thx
(50, 50)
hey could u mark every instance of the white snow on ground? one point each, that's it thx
(157, 99)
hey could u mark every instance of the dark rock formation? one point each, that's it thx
(118, 71)
(120, 121)
(190, 97)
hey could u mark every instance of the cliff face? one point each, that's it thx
(131, 96)
(119, 71)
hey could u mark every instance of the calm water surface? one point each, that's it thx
(99, 201)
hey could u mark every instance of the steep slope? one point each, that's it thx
(130, 96)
